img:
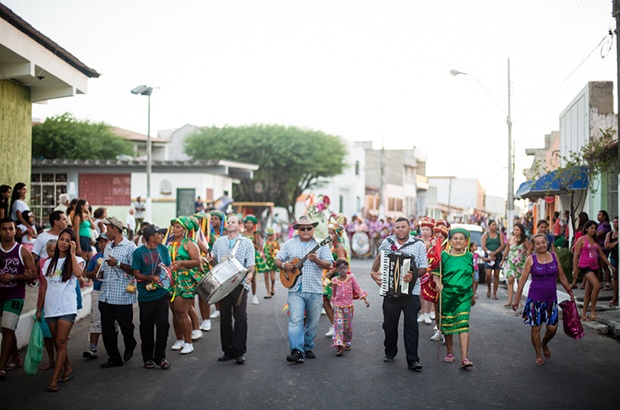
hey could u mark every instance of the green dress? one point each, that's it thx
(457, 281)
(261, 266)
(185, 280)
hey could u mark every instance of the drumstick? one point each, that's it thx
(240, 296)
(100, 263)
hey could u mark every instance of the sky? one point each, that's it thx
(363, 70)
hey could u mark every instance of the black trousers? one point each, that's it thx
(410, 306)
(234, 336)
(123, 314)
(154, 327)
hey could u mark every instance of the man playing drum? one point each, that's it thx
(402, 242)
(306, 295)
(234, 339)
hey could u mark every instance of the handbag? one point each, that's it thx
(34, 355)
(571, 320)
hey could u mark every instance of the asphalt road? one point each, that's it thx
(581, 374)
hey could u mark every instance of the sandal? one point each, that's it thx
(449, 358)
(46, 366)
(339, 351)
(593, 317)
(66, 378)
(149, 364)
(164, 364)
(2, 374)
(52, 389)
(466, 363)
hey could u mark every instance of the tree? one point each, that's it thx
(291, 160)
(64, 137)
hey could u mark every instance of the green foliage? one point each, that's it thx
(291, 160)
(565, 257)
(64, 137)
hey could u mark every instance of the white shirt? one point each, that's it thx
(139, 207)
(60, 297)
(130, 221)
(39, 244)
(20, 206)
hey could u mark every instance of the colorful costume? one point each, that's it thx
(270, 250)
(515, 261)
(457, 279)
(347, 289)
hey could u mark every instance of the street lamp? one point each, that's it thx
(510, 198)
(144, 90)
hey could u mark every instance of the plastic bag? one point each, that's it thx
(571, 320)
(34, 355)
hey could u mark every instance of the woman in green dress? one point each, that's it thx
(455, 283)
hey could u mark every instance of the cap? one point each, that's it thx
(114, 221)
(151, 230)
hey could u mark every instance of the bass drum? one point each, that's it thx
(221, 280)
(360, 245)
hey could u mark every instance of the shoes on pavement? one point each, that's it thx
(206, 325)
(330, 332)
(427, 319)
(128, 354)
(254, 300)
(240, 359)
(109, 364)
(196, 334)
(466, 363)
(421, 318)
(187, 348)
(414, 366)
(225, 358)
(178, 345)
(432, 315)
(388, 359)
(215, 315)
(323, 312)
(90, 354)
(295, 357)
(310, 354)
(437, 336)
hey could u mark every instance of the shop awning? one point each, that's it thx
(554, 183)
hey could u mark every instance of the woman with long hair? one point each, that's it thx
(586, 262)
(71, 211)
(83, 223)
(582, 218)
(59, 298)
(514, 258)
(5, 198)
(493, 244)
(19, 206)
(604, 227)
(541, 305)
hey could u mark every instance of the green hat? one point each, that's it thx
(251, 218)
(270, 231)
(459, 230)
(219, 214)
(184, 221)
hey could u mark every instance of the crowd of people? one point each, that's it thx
(160, 269)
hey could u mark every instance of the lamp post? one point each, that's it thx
(144, 90)
(510, 198)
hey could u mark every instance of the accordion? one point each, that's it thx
(394, 267)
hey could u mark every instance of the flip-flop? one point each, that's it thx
(466, 363)
(46, 366)
(52, 389)
(164, 364)
(12, 366)
(2, 374)
(66, 379)
(449, 358)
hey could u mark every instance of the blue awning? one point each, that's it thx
(554, 183)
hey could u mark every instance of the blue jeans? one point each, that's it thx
(300, 337)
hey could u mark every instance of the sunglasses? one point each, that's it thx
(302, 229)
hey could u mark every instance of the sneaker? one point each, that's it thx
(196, 334)
(323, 312)
(178, 345)
(187, 348)
(206, 325)
(330, 332)
(436, 336)
(215, 315)
(432, 315)
(90, 354)
(255, 300)
(427, 320)
(421, 318)
(295, 357)
(310, 354)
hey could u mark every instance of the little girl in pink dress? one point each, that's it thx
(345, 288)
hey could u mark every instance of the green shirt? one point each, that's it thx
(147, 262)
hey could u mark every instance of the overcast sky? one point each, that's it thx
(364, 70)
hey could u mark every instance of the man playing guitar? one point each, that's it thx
(306, 294)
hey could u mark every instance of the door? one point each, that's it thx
(185, 201)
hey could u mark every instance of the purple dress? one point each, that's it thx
(541, 305)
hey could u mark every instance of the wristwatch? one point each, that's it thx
(118, 263)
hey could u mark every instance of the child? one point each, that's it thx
(24, 235)
(344, 289)
(270, 249)
(479, 257)
(50, 246)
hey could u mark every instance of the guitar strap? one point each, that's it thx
(413, 266)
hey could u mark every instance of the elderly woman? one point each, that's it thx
(455, 281)
(541, 305)
(185, 256)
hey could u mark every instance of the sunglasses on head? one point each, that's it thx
(304, 229)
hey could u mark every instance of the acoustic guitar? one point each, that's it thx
(288, 278)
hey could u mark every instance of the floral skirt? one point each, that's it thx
(343, 326)
(185, 282)
(537, 312)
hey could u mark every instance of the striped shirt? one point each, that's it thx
(312, 274)
(413, 247)
(115, 280)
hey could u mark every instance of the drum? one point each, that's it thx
(360, 245)
(221, 280)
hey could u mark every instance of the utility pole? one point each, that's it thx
(616, 14)
(381, 183)
(510, 202)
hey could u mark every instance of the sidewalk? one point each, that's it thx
(608, 317)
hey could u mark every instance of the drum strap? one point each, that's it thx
(235, 247)
(391, 241)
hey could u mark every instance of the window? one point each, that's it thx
(357, 168)
(395, 204)
(44, 192)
